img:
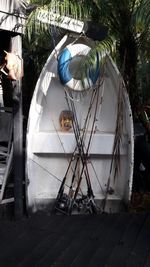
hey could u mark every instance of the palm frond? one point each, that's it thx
(141, 16)
(66, 8)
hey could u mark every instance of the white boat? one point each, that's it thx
(79, 155)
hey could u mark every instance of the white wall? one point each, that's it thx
(11, 16)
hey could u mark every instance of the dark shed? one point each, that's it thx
(12, 22)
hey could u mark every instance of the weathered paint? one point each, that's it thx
(12, 17)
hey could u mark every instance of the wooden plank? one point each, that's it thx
(123, 248)
(29, 236)
(84, 257)
(18, 134)
(74, 225)
(112, 240)
(11, 17)
(49, 248)
(8, 200)
(141, 249)
(83, 245)
(147, 261)
(101, 142)
(111, 237)
(63, 22)
(5, 177)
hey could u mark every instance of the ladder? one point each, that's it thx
(6, 151)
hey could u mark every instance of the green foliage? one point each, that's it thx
(128, 23)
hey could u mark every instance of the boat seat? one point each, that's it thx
(102, 142)
(6, 151)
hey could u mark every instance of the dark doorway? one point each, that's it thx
(5, 44)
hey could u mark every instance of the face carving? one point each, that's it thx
(66, 120)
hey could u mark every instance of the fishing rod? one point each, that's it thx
(99, 112)
(61, 143)
(72, 186)
(84, 155)
(58, 205)
(61, 190)
(100, 83)
(117, 141)
(79, 140)
(86, 124)
(50, 173)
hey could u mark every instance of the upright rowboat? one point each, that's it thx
(79, 155)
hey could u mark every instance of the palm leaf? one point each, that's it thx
(141, 16)
(127, 21)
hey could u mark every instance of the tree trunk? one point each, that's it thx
(128, 57)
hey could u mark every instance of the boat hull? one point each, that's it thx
(50, 149)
